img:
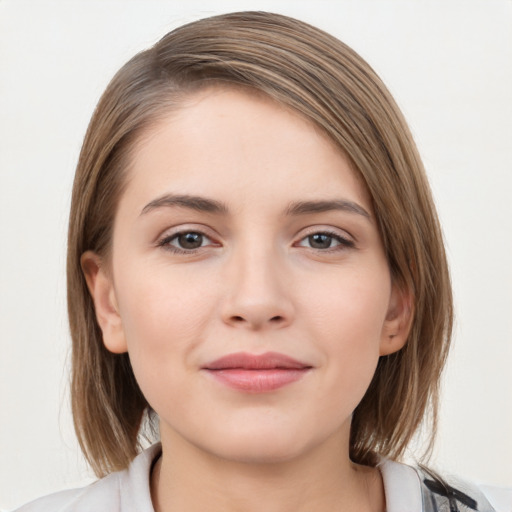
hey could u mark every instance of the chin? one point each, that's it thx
(265, 446)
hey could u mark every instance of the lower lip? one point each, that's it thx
(258, 381)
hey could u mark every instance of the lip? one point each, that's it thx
(256, 373)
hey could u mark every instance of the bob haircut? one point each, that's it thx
(326, 82)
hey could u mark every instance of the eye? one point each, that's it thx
(326, 240)
(185, 241)
(189, 240)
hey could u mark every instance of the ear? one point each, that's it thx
(101, 288)
(397, 324)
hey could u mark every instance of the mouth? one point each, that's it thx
(257, 373)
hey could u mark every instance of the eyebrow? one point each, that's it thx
(197, 203)
(306, 207)
(203, 204)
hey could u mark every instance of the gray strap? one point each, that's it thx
(441, 496)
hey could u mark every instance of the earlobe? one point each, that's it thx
(102, 291)
(397, 324)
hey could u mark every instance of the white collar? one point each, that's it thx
(402, 487)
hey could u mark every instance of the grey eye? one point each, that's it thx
(325, 240)
(190, 240)
(320, 241)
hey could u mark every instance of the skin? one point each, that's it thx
(258, 282)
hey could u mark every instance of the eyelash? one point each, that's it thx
(165, 243)
(343, 243)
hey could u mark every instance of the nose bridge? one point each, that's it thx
(256, 292)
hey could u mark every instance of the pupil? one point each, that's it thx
(320, 241)
(190, 240)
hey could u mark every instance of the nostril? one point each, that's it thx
(241, 319)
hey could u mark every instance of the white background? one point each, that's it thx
(449, 65)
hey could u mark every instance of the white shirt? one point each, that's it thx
(129, 491)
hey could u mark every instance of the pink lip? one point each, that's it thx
(257, 373)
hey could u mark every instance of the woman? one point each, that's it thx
(255, 261)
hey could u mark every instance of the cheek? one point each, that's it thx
(348, 307)
(346, 322)
(163, 316)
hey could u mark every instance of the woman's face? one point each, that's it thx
(248, 280)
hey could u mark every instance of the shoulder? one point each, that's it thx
(123, 491)
(102, 492)
(411, 489)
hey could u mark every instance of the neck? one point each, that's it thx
(187, 479)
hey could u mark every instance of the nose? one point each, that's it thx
(257, 292)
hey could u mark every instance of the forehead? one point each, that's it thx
(220, 139)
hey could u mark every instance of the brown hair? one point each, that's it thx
(321, 78)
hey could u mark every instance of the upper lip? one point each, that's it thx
(246, 361)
